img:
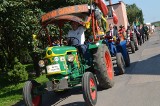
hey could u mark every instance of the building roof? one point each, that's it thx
(117, 3)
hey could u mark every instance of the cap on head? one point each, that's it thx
(121, 26)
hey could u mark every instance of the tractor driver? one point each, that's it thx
(113, 33)
(77, 37)
(77, 32)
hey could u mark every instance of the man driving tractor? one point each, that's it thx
(77, 32)
(76, 37)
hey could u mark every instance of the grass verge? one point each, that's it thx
(12, 94)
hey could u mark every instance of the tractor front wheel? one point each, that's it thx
(120, 63)
(30, 96)
(89, 87)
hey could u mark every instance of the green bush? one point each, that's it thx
(29, 67)
(18, 73)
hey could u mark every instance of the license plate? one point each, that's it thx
(53, 68)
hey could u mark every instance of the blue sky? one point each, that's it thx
(150, 8)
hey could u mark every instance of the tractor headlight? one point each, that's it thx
(97, 44)
(56, 59)
(70, 58)
(41, 63)
(62, 58)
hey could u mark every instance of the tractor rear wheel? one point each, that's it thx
(89, 87)
(120, 63)
(104, 67)
(29, 94)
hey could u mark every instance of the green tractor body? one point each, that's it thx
(64, 64)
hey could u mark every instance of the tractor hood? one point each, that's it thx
(59, 51)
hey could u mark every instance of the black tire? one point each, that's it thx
(132, 47)
(127, 60)
(104, 67)
(120, 63)
(89, 94)
(29, 97)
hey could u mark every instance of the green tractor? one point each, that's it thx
(64, 65)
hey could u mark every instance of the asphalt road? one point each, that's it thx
(139, 86)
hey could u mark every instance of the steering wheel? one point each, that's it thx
(71, 39)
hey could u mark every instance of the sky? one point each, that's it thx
(150, 8)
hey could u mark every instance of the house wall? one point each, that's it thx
(120, 10)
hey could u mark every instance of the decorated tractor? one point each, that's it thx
(64, 64)
(119, 53)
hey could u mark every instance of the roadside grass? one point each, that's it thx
(12, 94)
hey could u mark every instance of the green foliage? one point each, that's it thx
(134, 13)
(19, 19)
(2, 61)
(29, 67)
(157, 23)
(18, 73)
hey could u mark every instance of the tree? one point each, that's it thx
(134, 13)
(19, 19)
(18, 22)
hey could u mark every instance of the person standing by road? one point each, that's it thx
(146, 31)
(142, 33)
(138, 34)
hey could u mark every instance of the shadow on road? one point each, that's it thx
(51, 98)
(150, 66)
(75, 104)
